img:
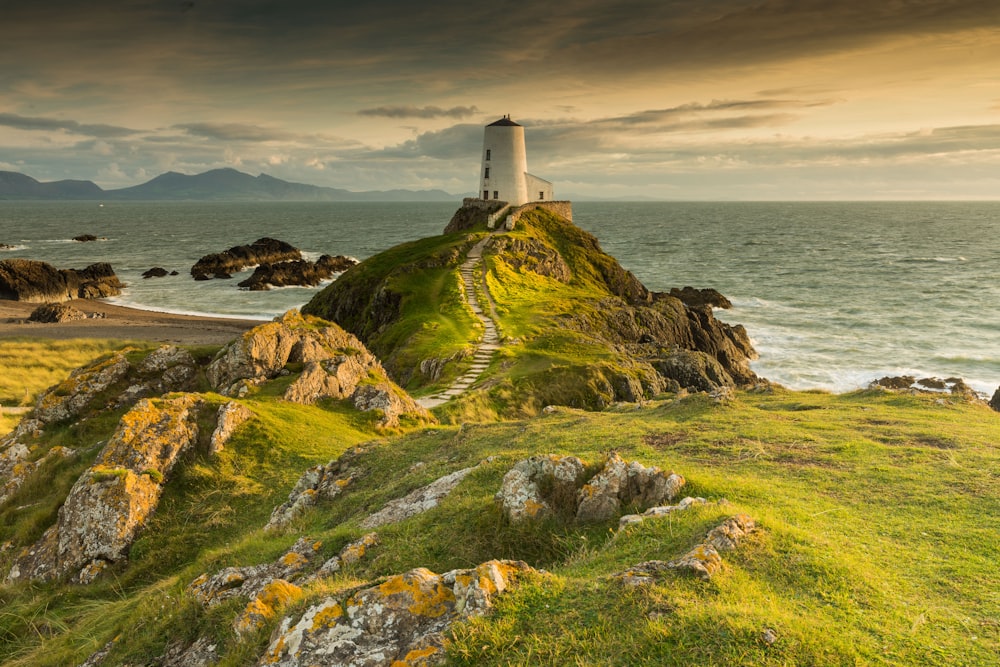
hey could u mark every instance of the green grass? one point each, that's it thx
(32, 365)
(875, 543)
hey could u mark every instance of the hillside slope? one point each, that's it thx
(578, 329)
(868, 542)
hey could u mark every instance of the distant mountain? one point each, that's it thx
(18, 186)
(217, 185)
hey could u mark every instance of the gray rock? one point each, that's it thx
(69, 398)
(416, 502)
(402, 619)
(230, 417)
(521, 493)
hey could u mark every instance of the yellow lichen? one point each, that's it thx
(416, 656)
(293, 560)
(327, 616)
(533, 508)
(432, 603)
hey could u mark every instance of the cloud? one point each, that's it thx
(234, 132)
(419, 112)
(39, 124)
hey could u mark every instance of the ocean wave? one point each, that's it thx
(128, 303)
(13, 248)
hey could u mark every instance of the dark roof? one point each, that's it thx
(504, 121)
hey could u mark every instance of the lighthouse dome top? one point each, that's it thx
(504, 121)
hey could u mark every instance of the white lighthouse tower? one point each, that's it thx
(504, 175)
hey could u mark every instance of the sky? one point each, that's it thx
(670, 99)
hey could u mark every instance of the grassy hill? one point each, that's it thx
(876, 536)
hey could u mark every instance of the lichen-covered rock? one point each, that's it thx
(15, 466)
(320, 482)
(620, 484)
(336, 365)
(164, 370)
(69, 398)
(417, 501)
(204, 652)
(55, 313)
(546, 485)
(110, 503)
(704, 560)
(248, 582)
(521, 496)
(643, 574)
(274, 597)
(661, 510)
(401, 621)
(230, 417)
(350, 554)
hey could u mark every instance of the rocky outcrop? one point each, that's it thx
(301, 272)
(558, 485)
(71, 396)
(157, 272)
(231, 416)
(321, 482)
(166, 369)
(541, 486)
(335, 365)
(54, 313)
(87, 238)
(110, 503)
(401, 621)
(620, 484)
(528, 254)
(416, 502)
(38, 282)
(262, 251)
(953, 385)
(995, 400)
(249, 582)
(659, 511)
(704, 560)
(700, 298)
(16, 466)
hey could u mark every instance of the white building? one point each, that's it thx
(504, 175)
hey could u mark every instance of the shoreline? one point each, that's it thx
(115, 321)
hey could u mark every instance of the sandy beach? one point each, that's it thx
(119, 322)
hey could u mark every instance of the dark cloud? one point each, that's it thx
(420, 112)
(53, 124)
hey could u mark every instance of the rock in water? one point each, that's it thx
(53, 313)
(300, 273)
(38, 282)
(262, 251)
(155, 272)
(995, 401)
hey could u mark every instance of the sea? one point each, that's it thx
(832, 294)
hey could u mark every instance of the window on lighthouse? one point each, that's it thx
(486, 194)
(487, 173)
(487, 153)
(496, 194)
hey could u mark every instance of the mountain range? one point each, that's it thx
(217, 184)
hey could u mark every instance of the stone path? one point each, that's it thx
(490, 342)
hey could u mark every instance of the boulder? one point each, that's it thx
(546, 485)
(659, 511)
(321, 482)
(402, 621)
(262, 251)
(704, 560)
(109, 504)
(71, 396)
(621, 484)
(335, 365)
(155, 272)
(416, 502)
(54, 313)
(521, 494)
(250, 582)
(166, 369)
(230, 417)
(85, 238)
(302, 273)
(995, 401)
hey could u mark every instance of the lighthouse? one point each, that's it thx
(504, 175)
